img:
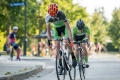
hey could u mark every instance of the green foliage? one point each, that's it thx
(2, 40)
(98, 27)
(10, 16)
(114, 28)
(8, 73)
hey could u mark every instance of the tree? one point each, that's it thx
(10, 16)
(98, 27)
(114, 28)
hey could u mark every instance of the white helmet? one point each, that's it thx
(15, 27)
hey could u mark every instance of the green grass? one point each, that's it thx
(38, 76)
(7, 73)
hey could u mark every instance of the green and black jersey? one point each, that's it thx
(58, 24)
(75, 30)
(58, 21)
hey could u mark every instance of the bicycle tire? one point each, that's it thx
(83, 68)
(60, 77)
(79, 63)
(72, 77)
(64, 68)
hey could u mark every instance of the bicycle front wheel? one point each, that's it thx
(83, 66)
(72, 70)
(60, 75)
(80, 64)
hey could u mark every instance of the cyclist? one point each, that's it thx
(11, 40)
(61, 27)
(81, 28)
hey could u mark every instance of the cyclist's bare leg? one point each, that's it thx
(57, 45)
(76, 51)
(74, 62)
(19, 52)
(84, 46)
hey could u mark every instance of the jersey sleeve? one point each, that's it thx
(62, 15)
(47, 18)
(88, 31)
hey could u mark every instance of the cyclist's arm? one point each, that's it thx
(47, 18)
(88, 36)
(48, 31)
(63, 17)
(87, 31)
(8, 39)
(69, 30)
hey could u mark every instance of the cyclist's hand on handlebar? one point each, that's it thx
(71, 43)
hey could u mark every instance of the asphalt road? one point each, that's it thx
(102, 67)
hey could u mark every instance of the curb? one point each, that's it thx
(23, 75)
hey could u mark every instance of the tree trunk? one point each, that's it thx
(8, 28)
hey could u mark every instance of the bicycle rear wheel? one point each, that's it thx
(80, 64)
(72, 71)
(60, 77)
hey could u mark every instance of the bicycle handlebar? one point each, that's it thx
(61, 39)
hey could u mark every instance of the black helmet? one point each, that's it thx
(80, 24)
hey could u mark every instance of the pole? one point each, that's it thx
(25, 40)
(39, 32)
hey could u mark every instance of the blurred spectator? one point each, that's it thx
(33, 50)
(98, 47)
(92, 48)
(42, 48)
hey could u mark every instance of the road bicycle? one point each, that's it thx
(81, 57)
(66, 63)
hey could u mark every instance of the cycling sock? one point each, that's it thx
(86, 58)
(73, 56)
(60, 62)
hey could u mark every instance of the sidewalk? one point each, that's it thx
(18, 70)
